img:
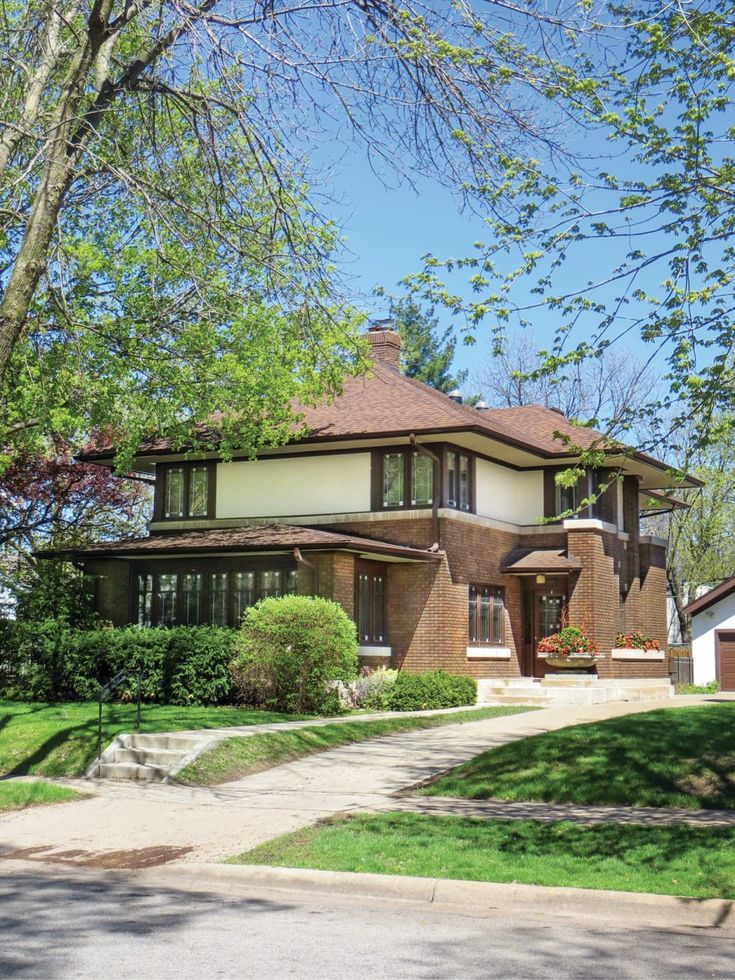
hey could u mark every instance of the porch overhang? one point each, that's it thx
(552, 561)
(261, 539)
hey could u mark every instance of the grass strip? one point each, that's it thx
(672, 860)
(16, 796)
(235, 758)
(679, 757)
(61, 739)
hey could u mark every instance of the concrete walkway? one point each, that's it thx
(124, 820)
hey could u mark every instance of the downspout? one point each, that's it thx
(437, 490)
(300, 560)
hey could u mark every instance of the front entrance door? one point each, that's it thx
(543, 608)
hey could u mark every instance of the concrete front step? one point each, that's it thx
(166, 758)
(145, 757)
(127, 770)
(154, 742)
(570, 689)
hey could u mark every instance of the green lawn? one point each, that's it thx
(15, 796)
(683, 757)
(61, 739)
(235, 758)
(693, 861)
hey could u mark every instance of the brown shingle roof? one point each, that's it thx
(386, 403)
(270, 537)
(541, 560)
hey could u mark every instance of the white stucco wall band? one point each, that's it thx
(302, 485)
(719, 616)
(516, 496)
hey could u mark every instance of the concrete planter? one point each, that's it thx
(575, 661)
(631, 653)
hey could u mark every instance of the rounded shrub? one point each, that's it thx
(431, 689)
(288, 651)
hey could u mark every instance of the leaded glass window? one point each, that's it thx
(393, 476)
(486, 619)
(422, 480)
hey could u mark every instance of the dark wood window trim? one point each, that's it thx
(585, 486)
(371, 596)
(407, 454)
(206, 568)
(495, 596)
(162, 476)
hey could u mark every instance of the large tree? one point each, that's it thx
(637, 238)
(597, 390)
(426, 351)
(701, 549)
(160, 256)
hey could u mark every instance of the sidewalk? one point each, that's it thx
(208, 824)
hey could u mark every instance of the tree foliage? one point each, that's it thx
(426, 353)
(701, 549)
(162, 258)
(637, 238)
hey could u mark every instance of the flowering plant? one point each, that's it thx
(568, 641)
(636, 641)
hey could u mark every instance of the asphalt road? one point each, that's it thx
(108, 925)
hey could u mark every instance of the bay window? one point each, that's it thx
(207, 594)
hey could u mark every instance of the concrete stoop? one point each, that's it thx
(145, 757)
(572, 689)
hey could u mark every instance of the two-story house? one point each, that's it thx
(420, 515)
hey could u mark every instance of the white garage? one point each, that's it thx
(713, 635)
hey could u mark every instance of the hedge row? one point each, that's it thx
(432, 689)
(49, 661)
(275, 666)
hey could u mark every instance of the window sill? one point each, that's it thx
(374, 651)
(625, 653)
(489, 653)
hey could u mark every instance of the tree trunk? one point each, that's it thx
(685, 623)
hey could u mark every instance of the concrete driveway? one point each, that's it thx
(130, 825)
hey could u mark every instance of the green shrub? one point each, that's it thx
(371, 690)
(711, 687)
(432, 689)
(50, 661)
(289, 649)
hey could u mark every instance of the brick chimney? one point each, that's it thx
(385, 343)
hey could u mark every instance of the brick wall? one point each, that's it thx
(653, 591)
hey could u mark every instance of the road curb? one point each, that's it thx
(607, 907)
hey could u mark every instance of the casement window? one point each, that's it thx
(216, 598)
(566, 499)
(192, 594)
(486, 616)
(164, 597)
(185, 491)
(406, 480)
(459, 481)
(370, 603)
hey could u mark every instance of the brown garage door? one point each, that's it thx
(726, 660)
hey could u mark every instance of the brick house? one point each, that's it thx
(420, 516)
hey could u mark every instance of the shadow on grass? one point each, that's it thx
(683, 757)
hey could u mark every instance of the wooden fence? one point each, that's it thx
(681, 670)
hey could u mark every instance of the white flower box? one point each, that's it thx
(630, 653)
